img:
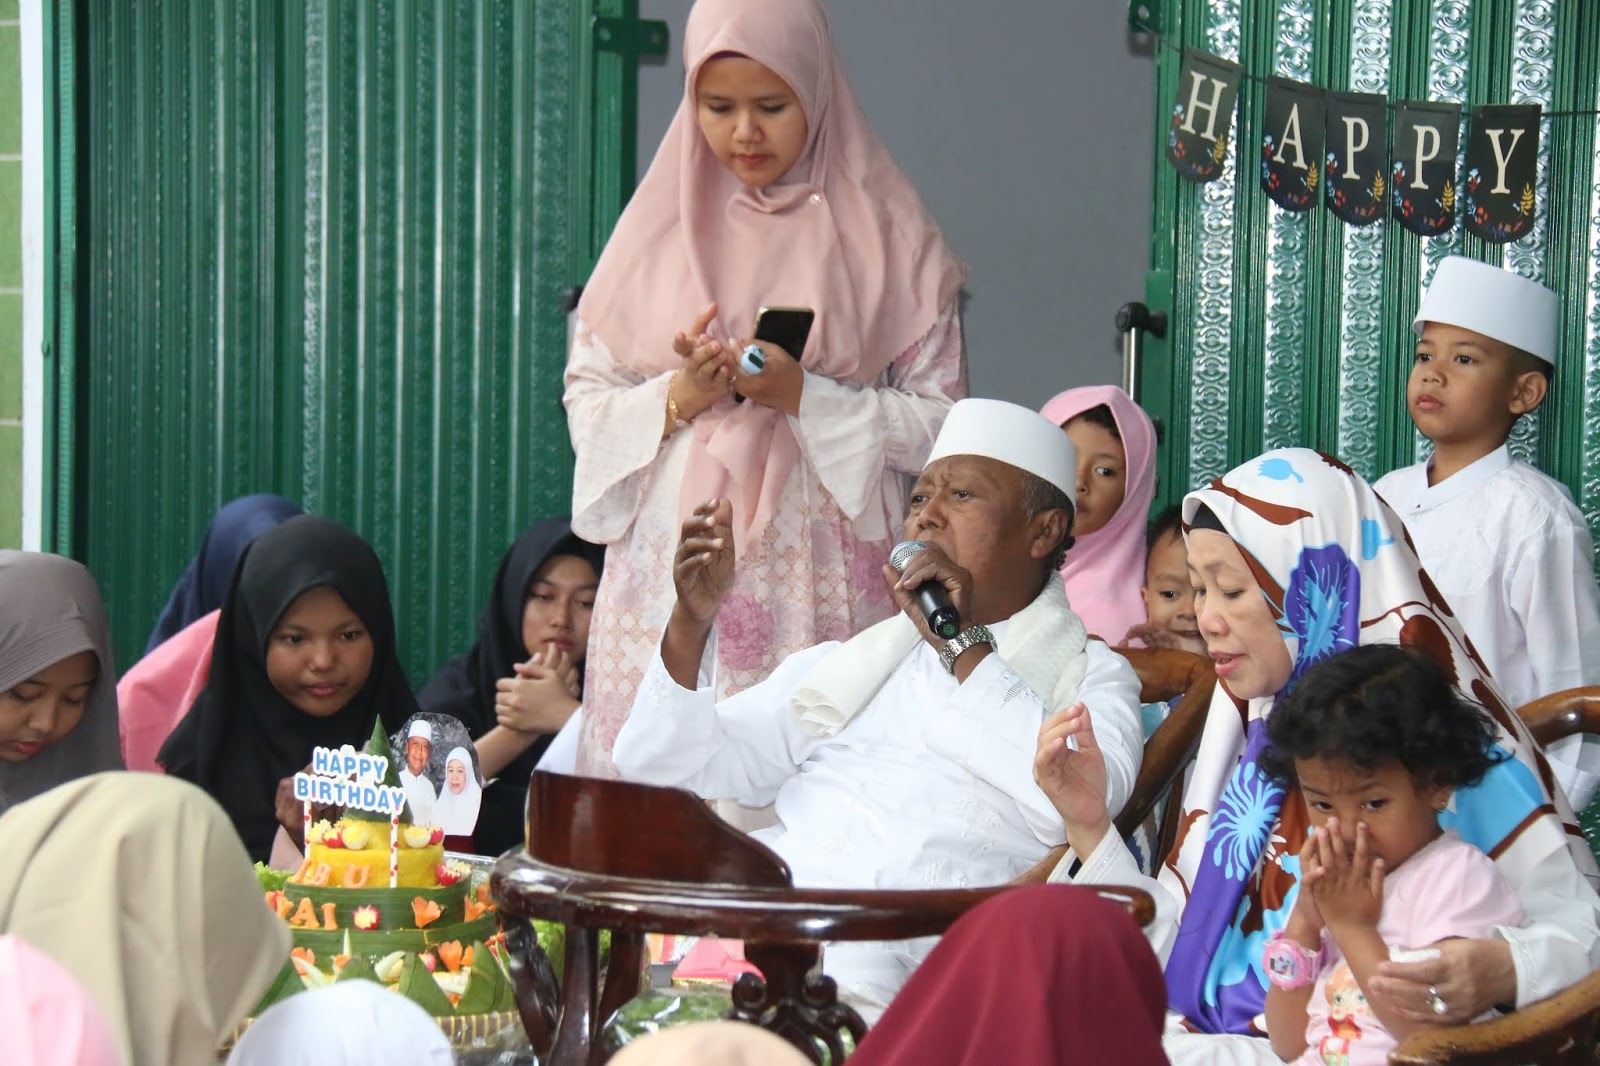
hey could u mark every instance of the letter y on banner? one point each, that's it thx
(1355, 181)
(1502, 166)
(1202, 115)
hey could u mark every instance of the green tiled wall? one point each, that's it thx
(10, 278)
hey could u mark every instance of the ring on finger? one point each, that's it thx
(1436, 1002)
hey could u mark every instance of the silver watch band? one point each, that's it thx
(976, 634)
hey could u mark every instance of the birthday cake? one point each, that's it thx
(376, 899)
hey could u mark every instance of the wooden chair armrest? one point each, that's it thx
(1562, 714)
(1166, 753)
(525, 888)
(1563, 1028)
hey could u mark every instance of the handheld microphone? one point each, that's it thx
(932, 597)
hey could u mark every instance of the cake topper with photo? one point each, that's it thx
(438, 768)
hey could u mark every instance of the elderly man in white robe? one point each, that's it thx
(900, 759)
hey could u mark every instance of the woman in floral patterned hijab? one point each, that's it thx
(1310, 555)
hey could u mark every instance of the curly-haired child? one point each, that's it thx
(1376, 740)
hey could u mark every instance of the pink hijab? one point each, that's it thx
(1105, 569)
(46, 1016)
(844, 233)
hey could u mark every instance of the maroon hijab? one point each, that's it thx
(1045, 975)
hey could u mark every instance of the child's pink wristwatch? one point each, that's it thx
(1289, 964)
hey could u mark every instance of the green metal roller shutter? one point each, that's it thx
(323, 248)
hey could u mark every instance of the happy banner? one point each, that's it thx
(1343, 147)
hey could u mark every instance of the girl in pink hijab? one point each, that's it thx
(1116, 445)
(46, 1017)
(769, 190)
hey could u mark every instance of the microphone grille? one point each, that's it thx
(902, 553)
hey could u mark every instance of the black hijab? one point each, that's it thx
(465, 687)
(242, 737)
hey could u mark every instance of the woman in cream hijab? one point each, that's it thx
(139, 886)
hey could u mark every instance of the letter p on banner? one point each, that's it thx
(1202, 115)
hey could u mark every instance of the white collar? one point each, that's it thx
(1467, 479)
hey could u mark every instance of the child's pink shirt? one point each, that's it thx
(1447, 889)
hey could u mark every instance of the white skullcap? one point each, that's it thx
(1016, 435)
(1502, 306)
(421, 728)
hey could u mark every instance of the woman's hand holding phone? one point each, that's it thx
(780, 382)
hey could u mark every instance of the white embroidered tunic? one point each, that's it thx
(929, 786)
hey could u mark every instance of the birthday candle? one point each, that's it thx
(305, 834)
(394, 850)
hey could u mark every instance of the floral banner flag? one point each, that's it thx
(1291, 144)
(1202, 115)
(1502, 164)
(1424, 195)
(1354, 181)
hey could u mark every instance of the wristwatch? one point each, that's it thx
(1289, 964)
(965, 639)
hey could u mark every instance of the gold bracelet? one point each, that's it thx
(672, 405)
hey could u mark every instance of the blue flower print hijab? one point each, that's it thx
(1338, 569)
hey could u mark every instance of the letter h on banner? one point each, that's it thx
(1202, 116)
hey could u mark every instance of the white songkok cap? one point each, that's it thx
(421, 728)
(1016, 435)
(1502, 306)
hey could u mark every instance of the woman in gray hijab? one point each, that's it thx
(58, 687)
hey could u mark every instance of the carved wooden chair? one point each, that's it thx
(1564, 1028)
(1164, 674)
(635, 859)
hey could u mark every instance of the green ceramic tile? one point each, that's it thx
(10, 486)
(10, 89)
(8, 10)
(10, 355)
(10, 224)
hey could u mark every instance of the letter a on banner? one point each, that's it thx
(1355, 176)
(1424, 195)
(1291, 144)
(1502, 167)
(1202, 115)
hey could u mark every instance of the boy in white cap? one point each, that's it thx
(1503, 542)
(900, 758)
(420, 796)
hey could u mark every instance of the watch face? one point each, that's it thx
(1288, 965)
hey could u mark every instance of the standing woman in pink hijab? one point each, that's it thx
(1116, 445)
(769, 190)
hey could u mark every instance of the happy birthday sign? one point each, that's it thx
(349, 778)
(1341, 148)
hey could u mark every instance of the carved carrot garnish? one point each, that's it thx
(425, 911)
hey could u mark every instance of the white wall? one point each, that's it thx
(1026, 126)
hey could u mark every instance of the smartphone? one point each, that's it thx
(787, 327)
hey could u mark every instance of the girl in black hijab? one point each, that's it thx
(520, 682)
(304, 657)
